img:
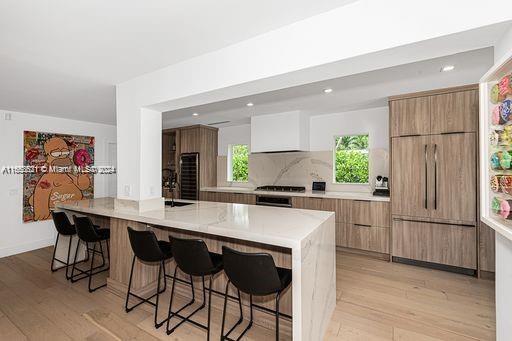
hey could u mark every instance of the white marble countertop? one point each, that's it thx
(286, 227)
(330, 195)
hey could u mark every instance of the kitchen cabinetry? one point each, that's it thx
(442, 111)
(193, 139)
(236, 198)
(434, 177)
(360, 224)
(487, 248)
(453, 245)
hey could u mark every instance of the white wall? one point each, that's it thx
(19, 237)
(234, 135)
(374, 121)
(504, 45)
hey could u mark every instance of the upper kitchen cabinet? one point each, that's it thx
(409, 116)
(452, 110)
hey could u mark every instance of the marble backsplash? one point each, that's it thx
(300, 169)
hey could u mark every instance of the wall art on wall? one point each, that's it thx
(56, 171)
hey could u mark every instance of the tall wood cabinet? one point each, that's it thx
(194, 139)
(434, 177)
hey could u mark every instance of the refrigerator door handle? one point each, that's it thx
(426, 177)
(435, 176)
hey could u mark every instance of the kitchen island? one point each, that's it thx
(303, 240)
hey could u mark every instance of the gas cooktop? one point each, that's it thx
(272, 188)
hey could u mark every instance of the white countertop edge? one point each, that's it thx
(309, 194)
(205, 229)
(504, 230)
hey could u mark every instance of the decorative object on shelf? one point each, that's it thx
(381, 186)
(59, 161)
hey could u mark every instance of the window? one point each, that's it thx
(238, 163)
(351, 162)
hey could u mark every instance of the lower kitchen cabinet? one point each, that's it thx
(453, 245)
(235, 198)
(319, 204)
(362, 237)
(487, 248)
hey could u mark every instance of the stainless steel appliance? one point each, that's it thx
(272, 200)
(381, 186)
(274, 188)
(189, 176)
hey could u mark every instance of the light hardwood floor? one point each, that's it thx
(376, 300)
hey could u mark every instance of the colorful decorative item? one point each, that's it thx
(495, 161)
(495, 205)
(504, 209)
(55, 179)
(495, 183)
(495, 94)
(505, 86)
(506, 184)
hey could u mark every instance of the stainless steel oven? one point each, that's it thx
(273, 200)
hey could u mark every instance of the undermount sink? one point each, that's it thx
(177, 203)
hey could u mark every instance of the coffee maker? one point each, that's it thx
(381, 186)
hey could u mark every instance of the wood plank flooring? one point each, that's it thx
(376, 300)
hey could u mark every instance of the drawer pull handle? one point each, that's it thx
(362, 225)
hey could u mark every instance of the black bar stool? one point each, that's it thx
(193, 258)
(148, 249)
(64, 228)
(254, 274)
(89, 233)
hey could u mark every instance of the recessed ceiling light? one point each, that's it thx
(447, 68)
(195, 114)
(328, 90)
(250, 104)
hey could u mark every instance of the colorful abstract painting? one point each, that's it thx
(57, 163)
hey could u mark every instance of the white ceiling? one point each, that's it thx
(63, 58)
(355, 92)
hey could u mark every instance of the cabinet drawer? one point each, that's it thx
(343, 210)
(319, 204)
(381, 215)
(207, 196)
(362, 237)
(453, 245)
(361, 212)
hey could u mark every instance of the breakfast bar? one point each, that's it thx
(302, 240)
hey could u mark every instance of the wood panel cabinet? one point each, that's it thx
(361, 212)
(381, 214)
(453, 245)
(235, 198)
(319, 204)
(435, 112)
(343, 210)
(454, 112)
(487, 248)
(362, 237)
(410, 116)
(453, 178)
(409, 187)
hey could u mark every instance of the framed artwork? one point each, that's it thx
(58, 164)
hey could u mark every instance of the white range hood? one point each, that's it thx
(283, 132)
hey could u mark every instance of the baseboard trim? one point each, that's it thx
(34, 245)
(435, 266)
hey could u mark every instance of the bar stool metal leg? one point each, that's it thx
(55, 259)
(240, 319)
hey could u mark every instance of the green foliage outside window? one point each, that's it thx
(351, 159)
(240, 162)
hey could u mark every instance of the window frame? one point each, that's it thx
(367, 183)
(230, 163)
